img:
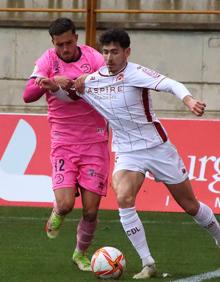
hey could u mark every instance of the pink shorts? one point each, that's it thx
(86, 165)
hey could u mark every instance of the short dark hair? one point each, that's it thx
(61, 25)
(116, 35)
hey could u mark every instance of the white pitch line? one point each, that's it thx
(201, 277)
(24, 218)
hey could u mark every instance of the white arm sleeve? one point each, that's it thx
(174, 87)
(62, 95)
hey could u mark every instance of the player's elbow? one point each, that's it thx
(26, 98)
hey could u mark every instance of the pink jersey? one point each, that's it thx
(72, 122)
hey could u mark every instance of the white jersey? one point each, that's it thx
(124, 100)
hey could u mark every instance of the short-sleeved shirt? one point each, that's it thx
(124, 100)
(78, 122)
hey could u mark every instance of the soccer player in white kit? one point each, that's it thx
(120, 92)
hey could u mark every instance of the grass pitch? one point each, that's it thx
(180, 247)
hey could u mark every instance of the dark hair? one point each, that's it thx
(116, 35)
(61, 25)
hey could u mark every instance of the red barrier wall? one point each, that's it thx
(25, 165)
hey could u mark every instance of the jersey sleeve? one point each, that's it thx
(147, 78)
(174, 87)
(32, 92)
(143, 77)
(42, 66)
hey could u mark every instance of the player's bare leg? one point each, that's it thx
(201, 213)
(86, 229)
(127, 185)
(65, 198)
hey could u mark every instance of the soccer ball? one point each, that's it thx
(108, 263)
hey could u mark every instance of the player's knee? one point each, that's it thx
(90, 215)
(125, 201)
(64, 207)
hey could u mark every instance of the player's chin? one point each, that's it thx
(67, 58)
(111, 69)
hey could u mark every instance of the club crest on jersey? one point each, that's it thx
(93, 173)
(120, 76)
(86, 68)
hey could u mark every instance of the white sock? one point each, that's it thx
(135, 231)
(206, 218)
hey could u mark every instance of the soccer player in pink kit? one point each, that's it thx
(79, 136)
(120, 92)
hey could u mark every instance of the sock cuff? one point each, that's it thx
(204, 214)
(148, 260)
(127, 211)
(129, 216)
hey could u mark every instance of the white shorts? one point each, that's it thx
(162, 161)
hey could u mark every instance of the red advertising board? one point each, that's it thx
(25, 165)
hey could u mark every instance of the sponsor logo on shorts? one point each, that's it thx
(100, 130)
(93, 173)
(59, 178)
(101, 185)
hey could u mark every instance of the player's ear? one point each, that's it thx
(76, 37)
(128, 51)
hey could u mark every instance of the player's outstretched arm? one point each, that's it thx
(179, 90)
(195, 106)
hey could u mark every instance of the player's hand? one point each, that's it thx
(48, 84)
(64, 82)
(79, 83)
(195, 106)
(38, 80)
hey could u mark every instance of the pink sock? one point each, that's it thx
(85, 234)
